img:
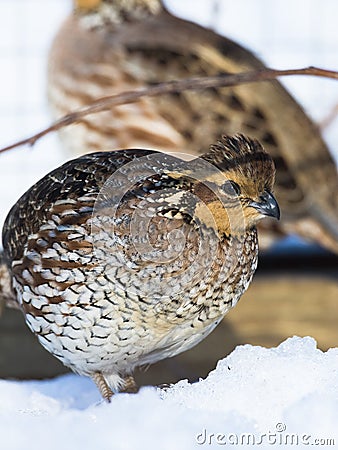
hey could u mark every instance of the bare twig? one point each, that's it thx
(170, 87)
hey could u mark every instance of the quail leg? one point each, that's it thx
(102, 385)
(130, 385)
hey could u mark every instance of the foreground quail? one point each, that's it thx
(120, 259)
(108, 46)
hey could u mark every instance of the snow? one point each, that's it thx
(264, 395)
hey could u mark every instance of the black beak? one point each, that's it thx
(267, 205)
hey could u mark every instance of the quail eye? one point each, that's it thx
(231, 188)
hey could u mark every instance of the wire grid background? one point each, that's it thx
(284, 33)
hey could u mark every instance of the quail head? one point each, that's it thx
(109, 46)
(120, 259)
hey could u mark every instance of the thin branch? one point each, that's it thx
(170, 87)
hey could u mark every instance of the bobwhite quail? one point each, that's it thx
(108, 46)
(120, 259)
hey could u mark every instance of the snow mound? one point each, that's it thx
(256, 397)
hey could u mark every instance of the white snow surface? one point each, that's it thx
(285, 397)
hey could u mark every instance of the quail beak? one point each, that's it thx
(267, 205)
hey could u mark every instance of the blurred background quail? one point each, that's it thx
(114, 269)
(109, 46)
